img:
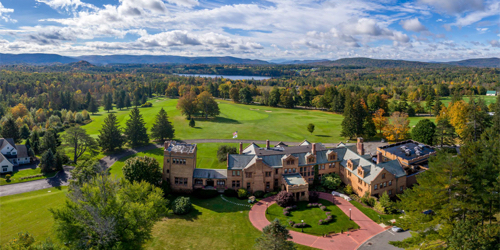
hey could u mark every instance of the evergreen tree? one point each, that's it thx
(35, 141)
(110, 136)
(144, 99)
(24, 132)
(93, 107)
(369, 129)
(275, 236)
(437, 107)
(11, 130)
(162, 129)
(478, 119)
(108, 102)
(338, 103)
(48, 162)
(127, 102)
(50, 141)
(88, 98)
(120, 103)
(192, 123)
(445, 132)
(135, 131)
(429, 103)
(354, 118)
(495, 121)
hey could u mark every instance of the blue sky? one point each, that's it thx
(424, 30)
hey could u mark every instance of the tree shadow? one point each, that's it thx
(96, 114)
(323, 135)
(226, 120)
(197, 127)
(191, 216)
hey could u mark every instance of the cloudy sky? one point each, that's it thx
(425, 30)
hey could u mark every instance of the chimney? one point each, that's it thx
(267, 144)
(241, 148)
(313, 149)
(360, 146)
(379, 157)
(165, 144)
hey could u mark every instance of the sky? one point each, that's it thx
(423, 30)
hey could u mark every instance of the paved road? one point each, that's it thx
(381, 241)
(61, 179)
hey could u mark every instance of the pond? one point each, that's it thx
(228, 76)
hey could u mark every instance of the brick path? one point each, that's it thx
(368, 228)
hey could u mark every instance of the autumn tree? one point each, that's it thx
(188, 105)
(458, 117)
(19, 111)
(162, 129)
(398, 127)
(380, 120)
(234, 94)
(207, 104)
(135, 130)
(78, 139)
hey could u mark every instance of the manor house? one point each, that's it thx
(291, 168)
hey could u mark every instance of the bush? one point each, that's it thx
(355, 197)
(7, 176)
(291, 223)
(205, 193)
(284, 199)
(192, 123)
(258, 194)
(371, 202)
(322, 208)
(348, 190)
(270, 194)
(242, 193)
(378, 206)
(165, 186)
(223, 151)
(147, 105)
(182, 205)
(300, 225)
(286, 213)
(313, 196)
(330, 181)
(230, 192)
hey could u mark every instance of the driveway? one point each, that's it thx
(381, 240)
(60, 179)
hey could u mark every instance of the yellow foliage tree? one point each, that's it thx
(379, 119)
(19, 111)
(398, 127)
(458, 117)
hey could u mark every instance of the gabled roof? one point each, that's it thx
(281, 144)
(7, 141)
(22, 151)
(304, 143)
(491, 92)
(210, 173)
(251, 149)
(238, 161)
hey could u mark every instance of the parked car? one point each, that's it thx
(397, 229)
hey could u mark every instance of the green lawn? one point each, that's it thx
(311, 216)
(372, 214)
(213, 224)
(23, 173)
(487, 99)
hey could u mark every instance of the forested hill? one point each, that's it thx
(480, 62)
(378, 63)
(35, 59)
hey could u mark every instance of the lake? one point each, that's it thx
(228, 77)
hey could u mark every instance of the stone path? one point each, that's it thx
(347, 241)
(234, 203)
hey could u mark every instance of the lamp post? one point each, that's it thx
(302, 226)
(350, 214)
(267, 204)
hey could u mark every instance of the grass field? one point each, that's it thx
(23, 173)
(213, 223)
(311, 216)
(372, 214)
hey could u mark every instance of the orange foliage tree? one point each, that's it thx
(19, 111)
(379, 119)
(458, 117)
(398, 127)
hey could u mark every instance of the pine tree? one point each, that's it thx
(88, 98)
(495, 122)
(275, 236)
(369, 129)
(119, 102)
(144, 99)
(50, 141)
(110, 137)
(93, 106)
(354, 117)
(127, 102)
(108, 102)
(35, 141)
(11, 130)
(24, 132)
(192, 123)
(162, 129)
(135, 130)
(48, 162)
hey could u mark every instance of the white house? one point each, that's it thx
(491, 93)
(12, 155)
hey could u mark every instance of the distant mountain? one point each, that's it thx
(306, 61)
(129, 59)
(376, 63)
(34, 59)
(479, 62)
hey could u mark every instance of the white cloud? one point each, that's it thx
(4, 14)
(412, 25)
(494, 43)
(455, 6)
(67, 4)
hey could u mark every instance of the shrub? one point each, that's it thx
(378, 206)
(182, 205)
(223, 151)
(365, 198)
(330, 181)
(300, 225)
(258, 194)
(286, 213)
(7, 176)
(328, 213)
(291, 223)
(270, 194)
(242, 193)
(320, 222)
(192, 123)
(348, 189)
(355, 197)
(230, 192)
(284, 199)
(205, 193)
(371, 202)
(313, 196)
(322, 208)
(147, 105)
(165, 186)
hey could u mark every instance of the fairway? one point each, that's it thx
(252, 122)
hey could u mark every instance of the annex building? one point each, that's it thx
(291, 168)
(12, 155)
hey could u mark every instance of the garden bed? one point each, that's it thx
(312, 216)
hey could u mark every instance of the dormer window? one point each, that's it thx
(332, 157)
(350, 165)
(310, 160)
(383, 176)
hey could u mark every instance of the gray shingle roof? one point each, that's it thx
(22, 151)
(238, 161)
(210, 173)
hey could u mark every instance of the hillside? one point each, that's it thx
(39, 58)
(479, 62)
(146, 59)
(376, 63)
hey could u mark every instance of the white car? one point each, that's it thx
(397, 229)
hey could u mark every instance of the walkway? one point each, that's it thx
(368, 228)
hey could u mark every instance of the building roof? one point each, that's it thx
(7, 141)
(395, 149)
(179, 147)
(22, 151)
(294, 179)
(238, 161)
(210, 173)
(491, 92)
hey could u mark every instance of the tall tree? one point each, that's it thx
(145, 168)
(50, 141)
(48, 162)
(429, 103)
(162, 129)
(245, 95)
(24, 131)
(478, 119)
(234, 94)
(380, 120)
(207, 104)
(369, 128)
(275, 237)
(354, 117)
(93, 107)
(110, 136)
(78, 139)
(274, 97)
(424, 132)
(10, 129)
(127, 102)
(188, 105)
(35, 141)
(120, 102)
(398, 127)
(495, 121)
(107, 213)
(445, 132)
(135, 130)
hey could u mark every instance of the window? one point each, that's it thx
(268, 185)
(322, 166)
(168, 160)
(286, 170)
(383, 176)
(168, 171)
(238, 173)
(389, 192)
(301, 170)
(248, 185)
(4, 169)
(276, 171)
(311, 179)
(198, 182)
(275, 183)
(385, 184)
(361, 190)
(293, 170)
(268, 174)
(376, 187)
(234, 184)
(311, 159)
(221, 183)
(237, 183)
(390, 183)
(181, 181)
(185, 181)
(401, 188)
(248, 175)
(234, 173)
(176, 181)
